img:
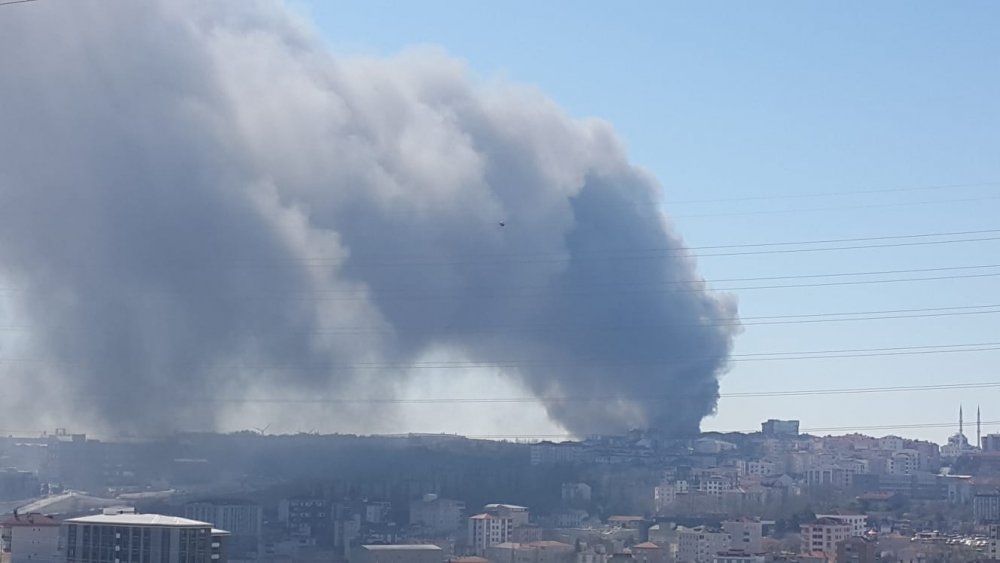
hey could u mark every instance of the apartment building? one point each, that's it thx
(127, 537)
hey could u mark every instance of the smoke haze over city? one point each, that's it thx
(212, 209)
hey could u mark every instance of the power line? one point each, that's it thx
(836, 208)
(647, 254)
(7, 2)
(654, 286)
(703, 281)
(763, 244)
(810, 318)
(850, 239)
(697, 289)
(735, 322)
(837, 193)
(574, 399)
(749, 357)
(743, 321)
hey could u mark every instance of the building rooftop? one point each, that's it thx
(506, 545)
(223, 502)
(68, 503)
(550, 544)
(625, 518)
(820, 521)
(32, 520)
(138, 520)
(495, 506)
(483, 516)
(646, 545)
(403, 547)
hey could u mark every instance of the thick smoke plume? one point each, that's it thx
(199, 204)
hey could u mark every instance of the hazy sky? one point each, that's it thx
(733, 100)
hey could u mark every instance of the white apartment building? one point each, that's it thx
(890, 443)
(127, 537)
(903, 462)
(833, 475)
(517, 514)
(486, 530)
(714, 485)
(823, 535)
(700, 544)
(857, 522)
(495, 525)
(993, 545)
(760, 467)
(28, 538)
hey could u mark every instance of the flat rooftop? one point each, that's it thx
(403, 547)
(138, 520)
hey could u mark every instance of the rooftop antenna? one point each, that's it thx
(960, 420)
(979, 429)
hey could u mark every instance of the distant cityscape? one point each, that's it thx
(773, 495)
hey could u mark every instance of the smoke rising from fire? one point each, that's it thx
(200, 204)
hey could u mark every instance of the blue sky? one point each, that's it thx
(731, 100)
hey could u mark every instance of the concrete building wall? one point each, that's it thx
(30, 543)
(747, 535)
(857, 522)
(400, 554)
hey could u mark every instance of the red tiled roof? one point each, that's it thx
(646, 545)
(483, 516)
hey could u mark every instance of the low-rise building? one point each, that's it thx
(244, 520)
(533, 552)
(747, 534)
(857, 522)
(993, 541)
(822, 536)
(773, 428)
(517, 514)
(26, 538)
(737, 556)
(857, 550)
(436, 516)
(649, 552)
(701, 544)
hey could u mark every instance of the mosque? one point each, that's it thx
(958, 444)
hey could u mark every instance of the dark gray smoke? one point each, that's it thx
(199, 204)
